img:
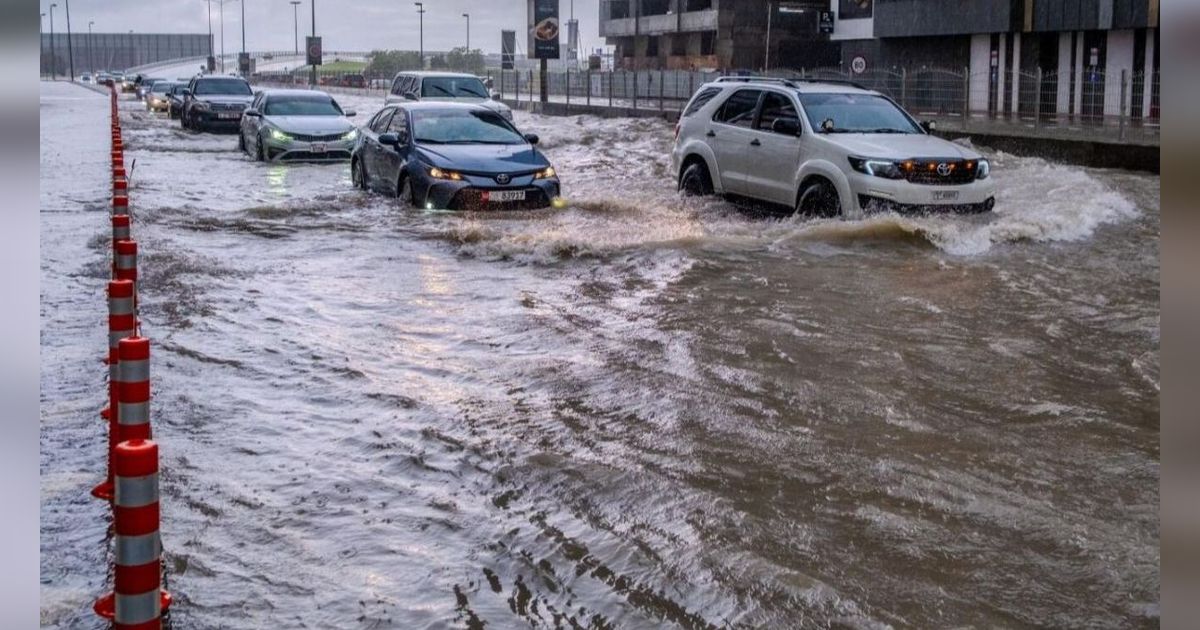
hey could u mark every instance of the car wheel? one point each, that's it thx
(404, 190)
(695, 181)
(241, 141)
(260, 153)
(819, 199)
(357, 175)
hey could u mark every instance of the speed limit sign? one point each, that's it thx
(313, 48)
(858, 65)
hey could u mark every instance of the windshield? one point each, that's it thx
(301, 106)
(162, 87)
(855, 113)
(223, 86)
(463, 127)
(456, 87)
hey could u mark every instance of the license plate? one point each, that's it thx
(318, 148)
(229, 115)
(500, 196)
(945, 195)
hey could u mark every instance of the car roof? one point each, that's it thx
(811, 86)
(289, 92)
(413, 106)
(429, 73)
(211, 77)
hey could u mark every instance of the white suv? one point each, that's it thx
(825, 148)
(444, 86)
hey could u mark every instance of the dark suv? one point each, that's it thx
(211, 103)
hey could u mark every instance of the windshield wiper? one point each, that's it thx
(884, 130)
(442, 90)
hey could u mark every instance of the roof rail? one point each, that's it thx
(790, 82)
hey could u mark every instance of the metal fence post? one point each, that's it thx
(589, 88)
(635, 89)
(904, 87)
(1037, 107)
(662, 91)
(1123, 110)
(568, 91)
(531, 85)
(966, 105)
(612, 75)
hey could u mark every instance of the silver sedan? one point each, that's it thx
(296, 125)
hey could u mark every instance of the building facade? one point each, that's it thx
(714, 34)
(1065, 56)
(117, 51)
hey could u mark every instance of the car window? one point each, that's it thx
(463, 126)
(453, 87)
(381, 121)
(301, 106)
(701, 99)
(776, 106)
(222, 86)
(855, 113)
(396, 85)
(739, 109)
(399, 122)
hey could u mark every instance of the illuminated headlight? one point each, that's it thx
(983, 170)
(438, 173)
(202, 105)
(350, 135)
(280, 136)
(878, 168)
(546, 173)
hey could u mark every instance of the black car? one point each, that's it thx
(212, 103)
(175, 100)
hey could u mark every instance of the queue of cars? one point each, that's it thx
(823, 148)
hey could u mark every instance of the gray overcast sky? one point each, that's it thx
(345, 24)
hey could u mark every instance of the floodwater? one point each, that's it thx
(637, 412)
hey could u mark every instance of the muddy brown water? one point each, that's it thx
(637, 412)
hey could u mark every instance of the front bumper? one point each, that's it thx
(298, 151)
(157, 104)
(471, 193)
(878, 194)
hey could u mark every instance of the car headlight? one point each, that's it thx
(201, 105)
(350, 135)
(438, 173)
(878, 168)
(983, 170)
(280, 136)
(546, 173)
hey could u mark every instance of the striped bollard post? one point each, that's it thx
(120, 227)
(122, 322)
(120, 203)
(125, 261)
(120, 188)
(133, 389)
(137, 601)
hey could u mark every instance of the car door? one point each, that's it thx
(392, 159)
(773, 156)
(730, 134)
(372, 149)
(251, 124)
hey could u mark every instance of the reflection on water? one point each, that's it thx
(638, 411)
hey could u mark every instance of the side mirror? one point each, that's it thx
(531, 138)
(349, 113)
(496, 96)
(186, 92)
(929, 126)
(250, 111)
(411, 96)
(786, 126)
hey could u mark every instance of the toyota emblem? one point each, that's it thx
(944, 169)
(503, 179)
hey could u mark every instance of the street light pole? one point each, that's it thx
(70, 47)
(210, 42)
(296, 26)
(313, 79)
(53, 61)
(243, 3)
(91, 62)
(221, 10)
(41, 46)
(468, 16)
(421, 12)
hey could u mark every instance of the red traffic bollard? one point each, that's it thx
(120, 225)
(138, 600)
(120, 188)
(133, 388)
(122, 323)
(125, 261)
(120, 203)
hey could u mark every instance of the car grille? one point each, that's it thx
(300, 137)
(227, 107)
(472, 199)
(933, 172)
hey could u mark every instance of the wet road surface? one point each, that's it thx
(637, 412)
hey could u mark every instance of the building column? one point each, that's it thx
(1079, 78)
(980, 68)
(1016, 75)
(1064, 73)
(1118, 58)
(1148, 70)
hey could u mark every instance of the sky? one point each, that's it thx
(351, 25)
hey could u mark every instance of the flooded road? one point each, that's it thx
(637, 412)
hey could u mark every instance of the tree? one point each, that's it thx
(463, 60)
(386, 63)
